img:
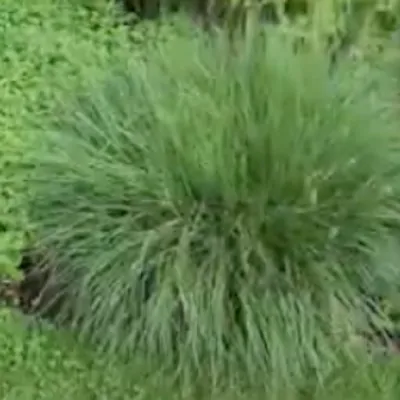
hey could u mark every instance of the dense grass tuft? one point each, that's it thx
(215, 208)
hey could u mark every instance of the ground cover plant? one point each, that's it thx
(42, 43)
(38, 362)
(215, 212)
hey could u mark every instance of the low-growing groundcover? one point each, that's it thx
(48, 46)
(219, 208)
(39, 363)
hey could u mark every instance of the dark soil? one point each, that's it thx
(37, 292)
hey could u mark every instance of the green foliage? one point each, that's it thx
(362, 24)
(39, 363)
(213, 211)
(48, 47)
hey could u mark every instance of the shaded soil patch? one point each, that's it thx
(37, 292)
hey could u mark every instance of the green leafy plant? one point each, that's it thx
(48, 47)
(39, 362)
(215, 211)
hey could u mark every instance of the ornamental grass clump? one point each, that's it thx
(214, 206)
